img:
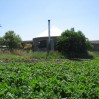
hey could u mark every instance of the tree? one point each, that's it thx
(73, 44)
(11, 40)
(1, 41)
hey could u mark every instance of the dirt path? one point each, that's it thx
(32, 60)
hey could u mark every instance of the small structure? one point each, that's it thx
(26, 44)
(40, 42)
(95, 44)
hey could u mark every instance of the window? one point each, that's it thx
(42, 44)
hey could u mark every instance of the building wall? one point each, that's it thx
(41, 43)
(95, 44)
(95, 47)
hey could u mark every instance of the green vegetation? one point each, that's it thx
(15, 55)
(95, 54)
(1, 41)
(24, 55)
(50, 80)
(11, 40)
(47, 77)
(52, 55)
(73, 44)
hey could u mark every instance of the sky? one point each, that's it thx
(28, 18)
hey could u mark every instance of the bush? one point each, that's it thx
(73, 44)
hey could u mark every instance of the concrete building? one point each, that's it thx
(95, 44)
(40, 42)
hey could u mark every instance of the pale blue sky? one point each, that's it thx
(29, 17)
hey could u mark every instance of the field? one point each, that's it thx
(48, 78)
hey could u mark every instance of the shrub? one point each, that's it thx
(73, 44)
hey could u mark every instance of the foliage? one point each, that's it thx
(95, 54)
(1, 41)
(43, 55)
(89, 45)
(12, 40)
(17, 55)
(73, 44)
(47, 80)
(24, 55)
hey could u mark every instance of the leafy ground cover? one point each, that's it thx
(50, 80)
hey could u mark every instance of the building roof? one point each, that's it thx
(94, 42)
(27, 42)
(54, 31)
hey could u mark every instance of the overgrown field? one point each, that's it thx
(50, 80)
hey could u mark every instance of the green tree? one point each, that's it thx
(89, 45)
(1, 41)
(11, 40)
(73, 44)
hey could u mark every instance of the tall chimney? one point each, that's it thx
(49, 36)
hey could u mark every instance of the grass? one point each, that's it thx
(95, 54)
(15, 56)
(24, 55)
(44, 55)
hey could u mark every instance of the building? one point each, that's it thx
(27, 44)
(40, 42)
(95, 44)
